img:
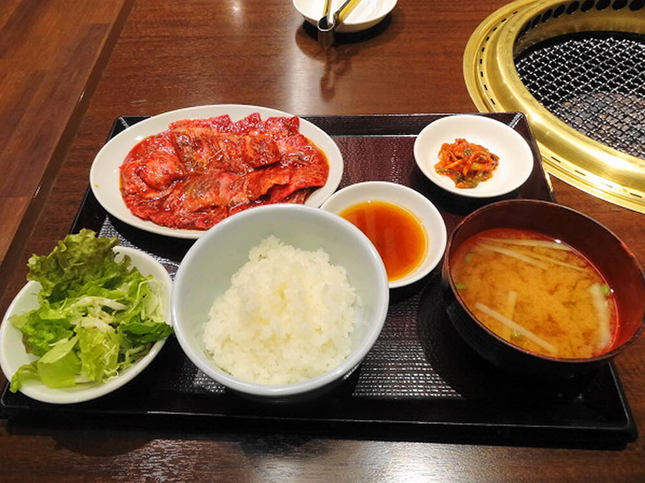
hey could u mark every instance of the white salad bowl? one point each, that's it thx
(13, 353)
(515, 155)
(206, 270)
(407, 198)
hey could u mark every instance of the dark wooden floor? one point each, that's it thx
(51, 55)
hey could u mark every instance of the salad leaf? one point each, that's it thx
(96, 316)
(43, 327)
(144, 331)
(24, 373)
(58, 368)
(77, 260)
(99, 350)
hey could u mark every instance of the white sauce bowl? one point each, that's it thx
(409, 199)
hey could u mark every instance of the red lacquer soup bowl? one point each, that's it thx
(611, 257)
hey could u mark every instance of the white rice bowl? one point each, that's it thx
(206, 272)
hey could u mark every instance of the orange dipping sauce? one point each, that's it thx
(396, 233)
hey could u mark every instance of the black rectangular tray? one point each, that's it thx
(420, 382)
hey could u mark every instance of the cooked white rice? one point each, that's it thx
(288, 316)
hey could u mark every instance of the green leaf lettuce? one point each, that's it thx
(96, 316)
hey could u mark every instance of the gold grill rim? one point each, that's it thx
(495, 86)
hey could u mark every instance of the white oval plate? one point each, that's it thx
(365, 15)
(407, 198)
(515, 155)
(13, 353)
(105, 176)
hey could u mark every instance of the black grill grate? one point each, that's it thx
(594, 82)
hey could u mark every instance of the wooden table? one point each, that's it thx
(170, 55)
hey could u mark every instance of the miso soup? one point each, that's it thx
(536, 292)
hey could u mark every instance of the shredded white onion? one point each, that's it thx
(509, 323)
(514, 254)
(530, 243)
(601, 305)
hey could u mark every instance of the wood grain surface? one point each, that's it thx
(50, 55)
(170, 55)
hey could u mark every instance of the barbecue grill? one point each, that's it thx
(577, 70)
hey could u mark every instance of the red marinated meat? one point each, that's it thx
(200, 148)
(219, 124)
(200, 171)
